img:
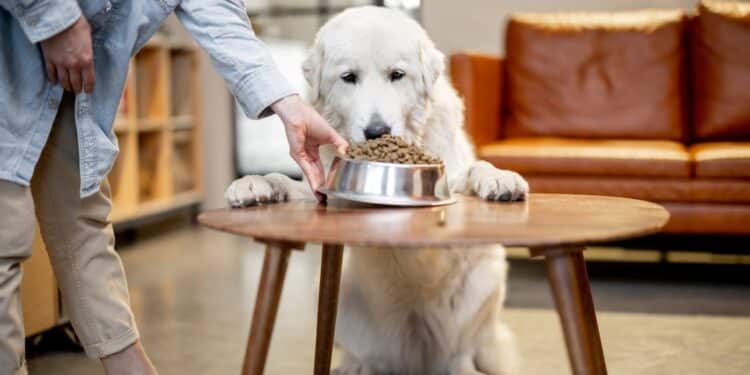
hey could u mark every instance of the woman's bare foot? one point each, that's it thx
(131, 361)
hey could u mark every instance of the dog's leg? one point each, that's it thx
(464, 365)
(496, 353)
(490, 183)
(352, 366)
(273, 187)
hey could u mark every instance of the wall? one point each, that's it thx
(478, 25)
(218, 132)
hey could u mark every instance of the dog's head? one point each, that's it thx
(372, 72)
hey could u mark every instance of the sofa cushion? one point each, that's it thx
(718, 191)
(596, 75)
(559, 156)
(720, 72)
(721, 159)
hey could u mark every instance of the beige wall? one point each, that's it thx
(479, 24)
(218, 120)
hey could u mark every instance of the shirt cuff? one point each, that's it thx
(260, 89)
(47, 18)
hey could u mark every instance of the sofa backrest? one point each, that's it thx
(720, 71)
(596, 75)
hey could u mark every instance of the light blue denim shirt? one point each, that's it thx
(29, 102)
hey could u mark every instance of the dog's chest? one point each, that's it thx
(430, 313)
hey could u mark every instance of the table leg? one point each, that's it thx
(566, 271)
(328, 301)
(266, 305)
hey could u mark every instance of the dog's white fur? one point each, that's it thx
(413, 311)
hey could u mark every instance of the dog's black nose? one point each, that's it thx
(376, 129)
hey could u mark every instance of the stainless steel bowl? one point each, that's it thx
(387, 183)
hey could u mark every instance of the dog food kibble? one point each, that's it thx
(390, 149)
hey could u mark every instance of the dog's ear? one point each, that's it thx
(312, 68)
(433, 64)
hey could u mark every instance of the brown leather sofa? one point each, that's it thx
(652, 105)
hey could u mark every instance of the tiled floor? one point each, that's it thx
(192, 292)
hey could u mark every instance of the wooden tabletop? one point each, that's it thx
(542, 220)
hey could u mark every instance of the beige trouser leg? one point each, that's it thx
(80, 243)
(16, 237)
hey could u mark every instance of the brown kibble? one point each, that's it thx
(390, 149)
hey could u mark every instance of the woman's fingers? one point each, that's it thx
(313, 171)
(51, 72)
(62, 76)
(339, 142)
(74, 76)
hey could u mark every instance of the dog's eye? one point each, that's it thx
(397, 75)
(349, 77)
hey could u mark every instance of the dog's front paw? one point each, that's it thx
(252, 190)
(494, 184)
(502, 186)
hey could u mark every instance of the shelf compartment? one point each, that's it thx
(184, 166)
(183, 73)
(150, 125)
(154, 178)
(152, 81)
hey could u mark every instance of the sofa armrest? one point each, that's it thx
(478, 79)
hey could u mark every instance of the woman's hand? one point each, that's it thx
(306, 131)
(69, 58)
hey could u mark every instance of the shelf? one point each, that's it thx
(183, 122)
(150, 125)
(186, 46)
(157, 41)
(121, 125)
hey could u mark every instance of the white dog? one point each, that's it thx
(419, 311)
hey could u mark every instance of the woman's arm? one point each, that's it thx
(222, 28)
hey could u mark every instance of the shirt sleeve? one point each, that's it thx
(43, 19)
(222, 28)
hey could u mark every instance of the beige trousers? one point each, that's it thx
(80, 243)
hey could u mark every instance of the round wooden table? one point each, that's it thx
(555, 226)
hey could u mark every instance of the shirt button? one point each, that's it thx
(32, 20)
(52, 103)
